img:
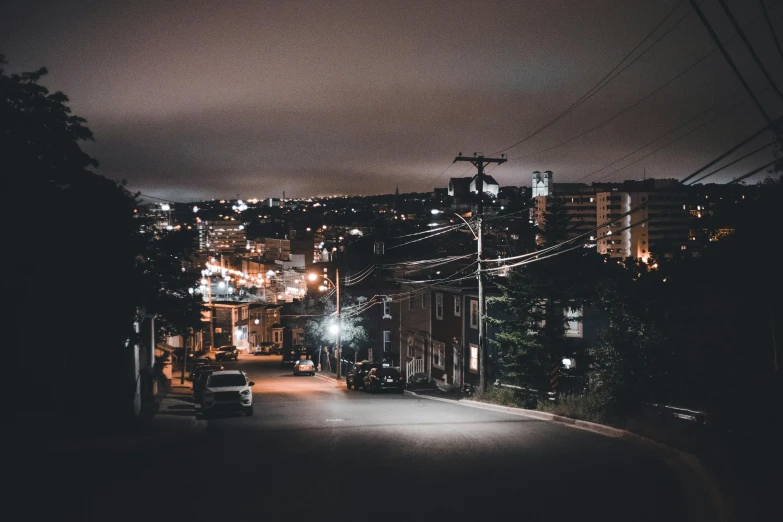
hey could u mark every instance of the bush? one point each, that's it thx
(505, 396)
(588, 407)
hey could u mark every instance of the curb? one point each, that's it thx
(330, 379)
(716, 502)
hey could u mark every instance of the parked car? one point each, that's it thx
(297, 353)
(227, 353)
(384, 379)
(304, 366)
(264, 349)
(199, 383)
(227, 390)
(199, 361)
(355, 376)
(194, 372)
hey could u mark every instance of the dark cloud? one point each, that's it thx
(205, 99)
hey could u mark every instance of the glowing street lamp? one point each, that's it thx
(336, 328)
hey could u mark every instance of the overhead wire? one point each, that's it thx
(606, 78)
(754, 151)
(771, 28)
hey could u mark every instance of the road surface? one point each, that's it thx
(316, 450)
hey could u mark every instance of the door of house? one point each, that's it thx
(457, 366)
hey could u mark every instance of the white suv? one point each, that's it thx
(227, 390)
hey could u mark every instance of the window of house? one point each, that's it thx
(387, 310)
(423, 301)
(411, 346)
(244, 312)
(241, 333)
(438, 354)
(457, 306)
(387, 340)
(474, 314)
(438, 306)
(474, 358)
(573, 322)
(276, 335)
(411, 302)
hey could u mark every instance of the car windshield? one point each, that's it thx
(232, 379)
(305, 363)
(226, 349)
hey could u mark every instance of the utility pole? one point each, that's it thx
(478, 161)
(339, 324)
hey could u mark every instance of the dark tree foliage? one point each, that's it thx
(88, 259)
(319, 317)
(530, 316)
(163, 286)
(76, 237)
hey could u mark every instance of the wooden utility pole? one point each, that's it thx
(478, 160)
(337, 354)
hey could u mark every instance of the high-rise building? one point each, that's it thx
(628, 219)
(221, 236)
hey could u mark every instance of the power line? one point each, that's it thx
(598, 86)
(751, 153)
(617, 115)
(731, 150)
(733, 66)
(771, 28)
(750, 47)
(752, 172)
(691, 120)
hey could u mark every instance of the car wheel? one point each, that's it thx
(348, 384)
(249, 411)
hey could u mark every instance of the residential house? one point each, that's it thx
(264, 326)
(230, 324)
(446, 354)
(415, 330)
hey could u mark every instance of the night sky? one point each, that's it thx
(195, 100)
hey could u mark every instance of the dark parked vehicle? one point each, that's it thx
(198, 369)
(383, 379)
(265, 348)
(198, 361)
(304, 366)
(297, 353)
(200, 380)
(355, 376)
(227, 353)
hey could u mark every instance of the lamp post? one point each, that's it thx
(336, 284)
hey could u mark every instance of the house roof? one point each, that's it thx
(460, 183)
(488, 180)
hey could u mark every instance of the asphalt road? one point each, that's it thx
(314, 449)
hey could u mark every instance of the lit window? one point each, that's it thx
(474, 358)
(438, 354)
(474, 314)
(574, 322)
(387, 342)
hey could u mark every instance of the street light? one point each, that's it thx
(338, 326)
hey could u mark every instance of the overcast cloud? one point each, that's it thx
(194, 100)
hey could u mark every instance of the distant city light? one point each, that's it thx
(165, 206)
